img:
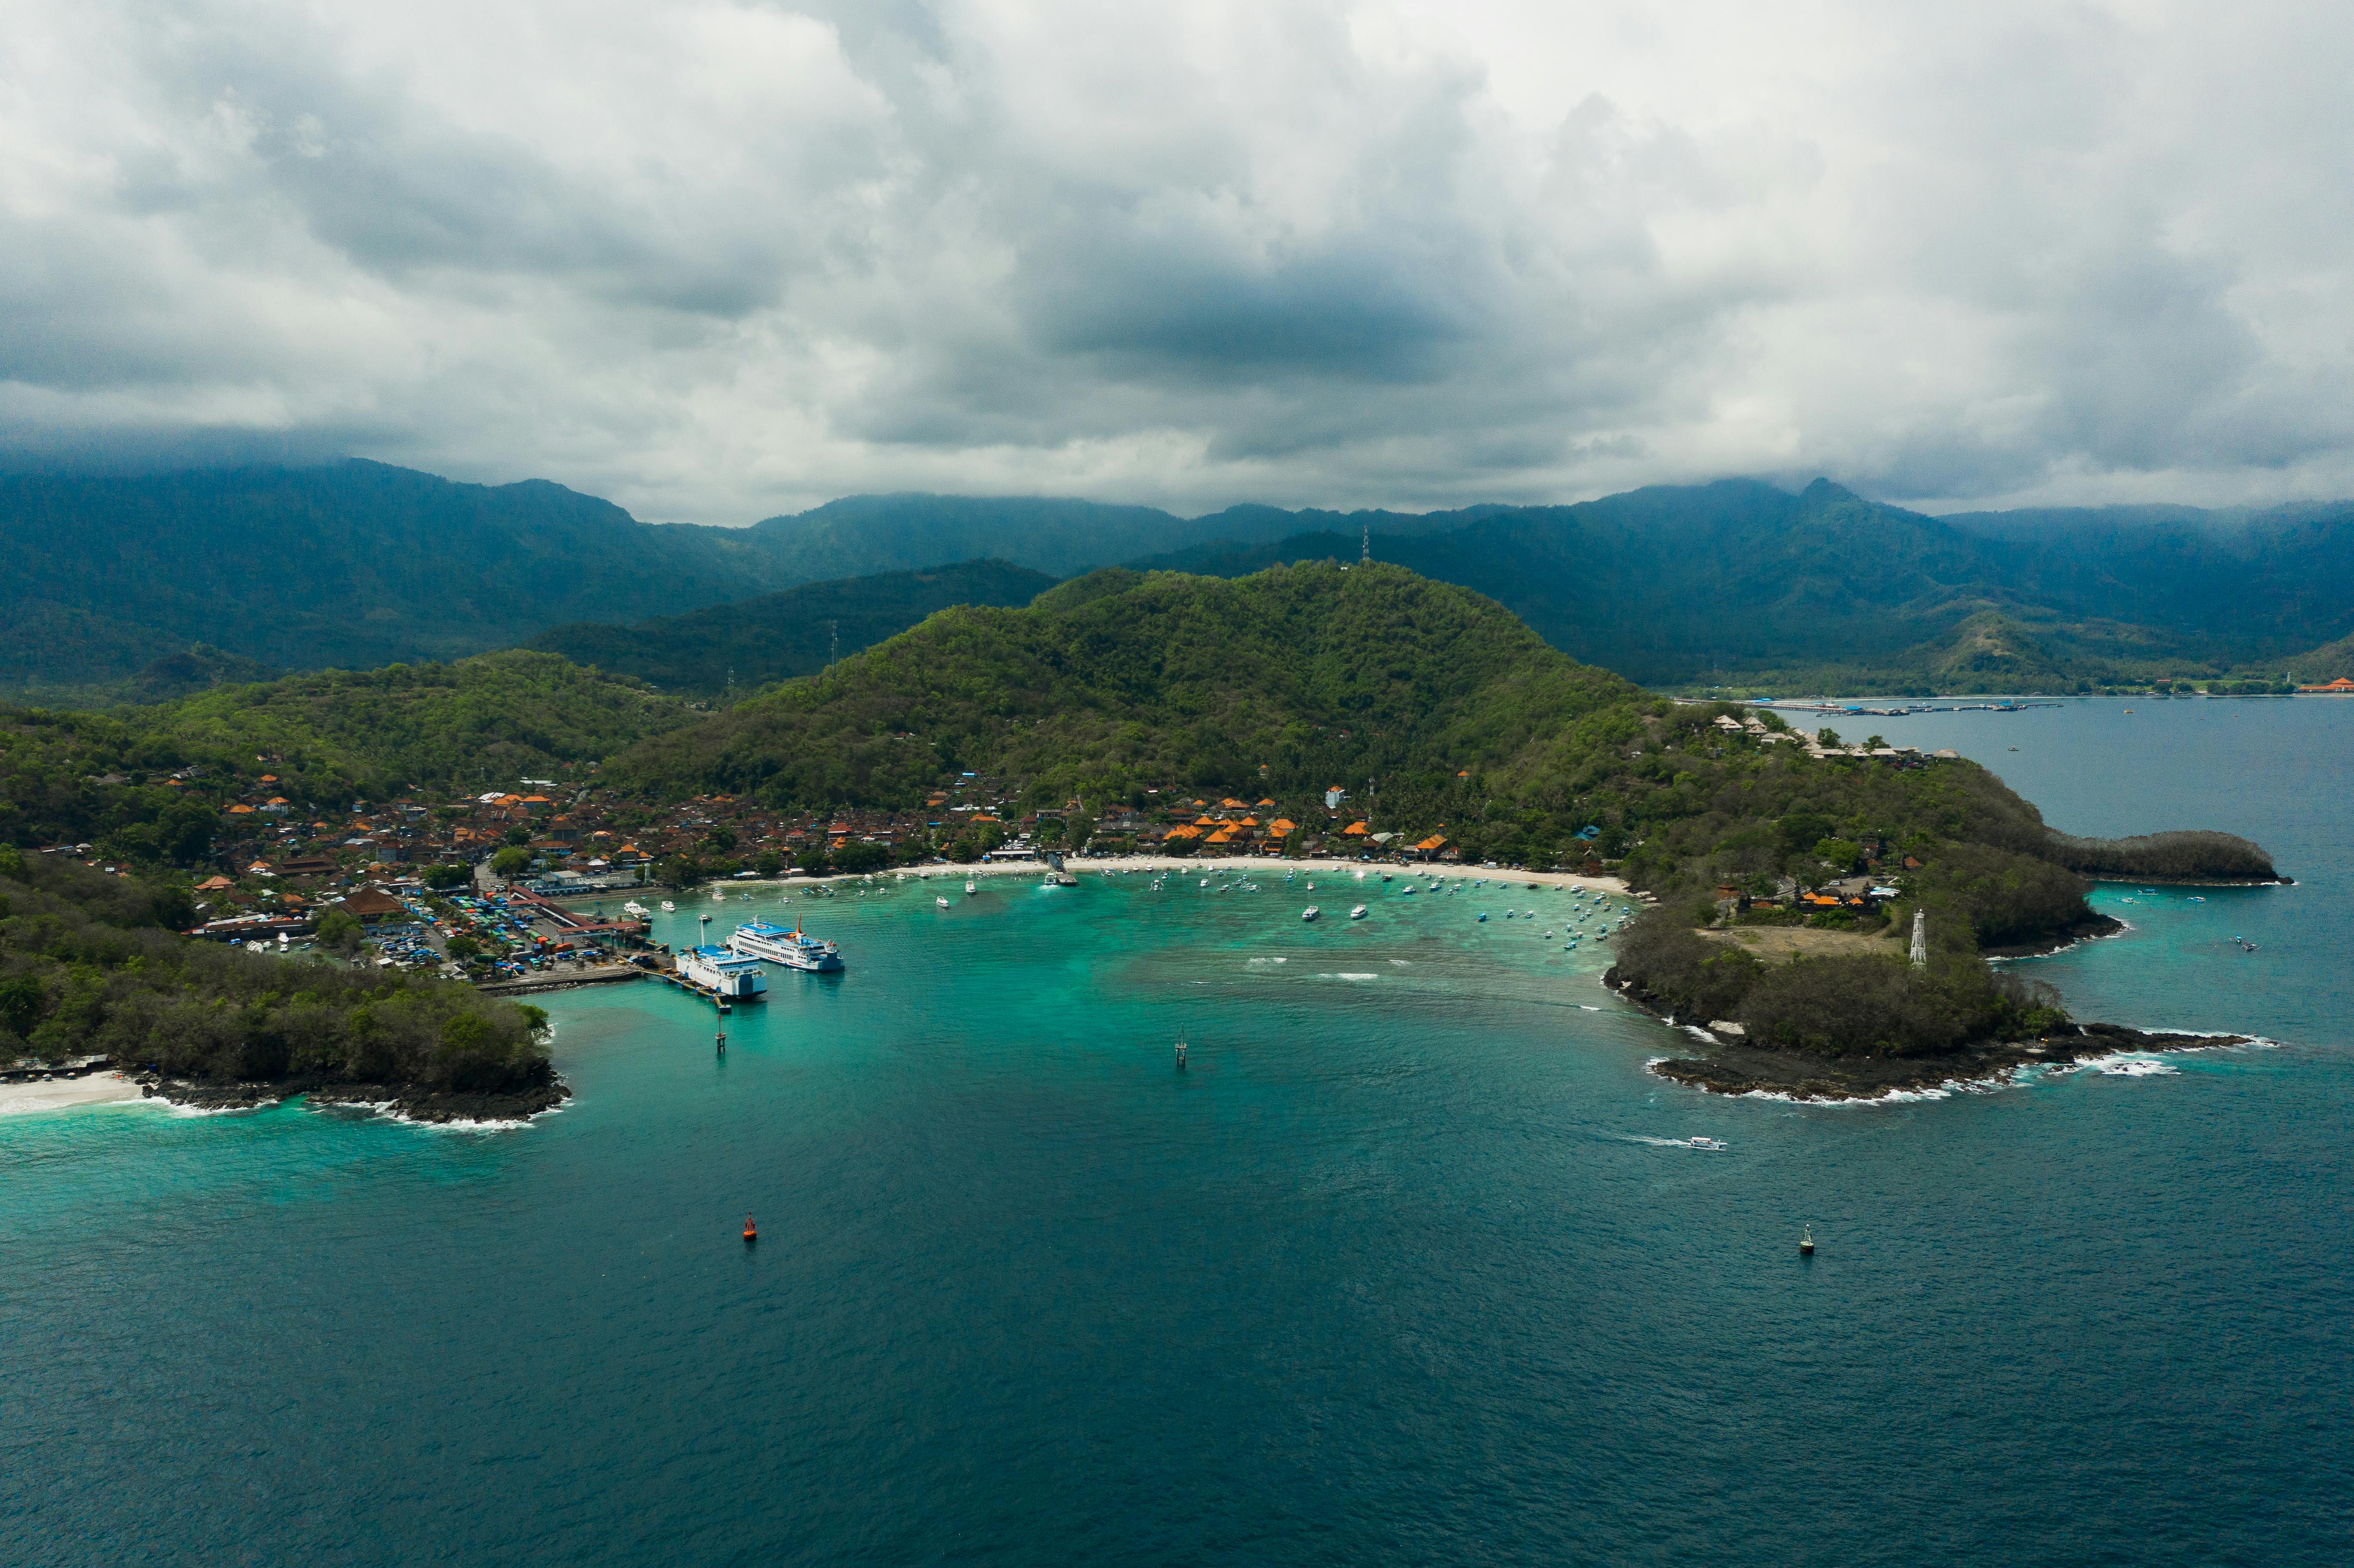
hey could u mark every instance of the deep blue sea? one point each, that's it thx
(1400, 1270)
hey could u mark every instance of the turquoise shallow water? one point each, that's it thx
(1391, 1272)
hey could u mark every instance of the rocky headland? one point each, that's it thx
(518, 1102)
(1733, 1066)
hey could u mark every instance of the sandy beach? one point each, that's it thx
(61, 1094)
(1262, 865)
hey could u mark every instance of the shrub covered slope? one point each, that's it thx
(90, 965)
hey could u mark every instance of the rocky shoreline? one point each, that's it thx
(2067, 936)
(1733, 1066)
(414, 1102)
(1736, 1068)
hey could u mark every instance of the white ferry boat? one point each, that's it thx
(760, 939)
(730, 975)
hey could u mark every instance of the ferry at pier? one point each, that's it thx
(731, 976)
(760, 939)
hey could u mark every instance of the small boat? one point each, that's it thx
(1310, 913)
(969, 889)
(1807, 1243)
(669, 907)
(751, 1232)
(942, 902)
(1709, 1144)
(1483, 919)
(1358, 913)
(1180, 1056)
(719, 896)
(1408, 890)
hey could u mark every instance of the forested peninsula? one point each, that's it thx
(92, 966)
(1449, 724)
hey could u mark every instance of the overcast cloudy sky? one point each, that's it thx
(719, 261)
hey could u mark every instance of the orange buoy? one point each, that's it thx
(750, 1234)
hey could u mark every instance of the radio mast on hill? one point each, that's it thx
(1366, 546)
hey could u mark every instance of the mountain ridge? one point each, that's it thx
(130, 589)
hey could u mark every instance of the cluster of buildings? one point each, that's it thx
(582, 840)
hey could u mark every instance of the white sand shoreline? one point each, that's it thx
(1261, 864)
(65, 1093)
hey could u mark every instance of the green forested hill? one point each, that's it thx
(90, 965)
(1741, 584)
(1439, 710)
(861, 535)
(492, 718)
(1291, 679)
(108, 584)
(352, 565)
(756, 642)
(327, 737)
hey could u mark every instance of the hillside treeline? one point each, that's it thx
(2166, 857)
(90, 966)
(1862, 1005)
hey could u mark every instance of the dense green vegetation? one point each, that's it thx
(355, 564)
(1834, 1006)
(1280, 684)
(141, 589)
(327, 739)
(2166, 857)
(1742, 585)
(864, 534)
(90, 965)
(492, 719)
(1288, 678)
(739, 648)
(1441, 714)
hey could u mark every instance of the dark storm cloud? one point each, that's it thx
(715, 259)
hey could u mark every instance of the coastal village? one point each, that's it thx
(486, 884)
(490, 886)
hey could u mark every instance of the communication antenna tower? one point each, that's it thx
(1920, 939)
(1365, 544)
(833, 654)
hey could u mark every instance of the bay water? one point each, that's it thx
(1405, 1265)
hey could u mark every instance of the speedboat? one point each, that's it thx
(1358, 913)
(669, 907)
(942, 902)
(1708, 1144)
(969, 889)
(1310, 913)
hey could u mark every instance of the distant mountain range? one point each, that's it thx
(141, 589)
(1741, 584)
(739, 647)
